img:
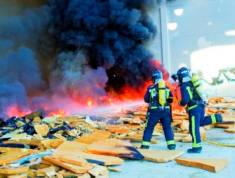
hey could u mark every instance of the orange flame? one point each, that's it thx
(14, 110)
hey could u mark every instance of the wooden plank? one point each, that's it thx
(115, 147)
(223, 126)
(9, 155)
(99, 171)
(69, 167)
(212, 165)
(160, 156)
(230, 130)
(48, 171)
(41, 129)
(13, 171)
(107, 150)
(75, 150)
(24, 175)
(95, 136)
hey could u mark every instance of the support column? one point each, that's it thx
(165, 45)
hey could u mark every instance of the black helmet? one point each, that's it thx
(182, 73)
(156, 76)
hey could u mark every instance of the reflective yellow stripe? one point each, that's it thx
(170, 142)
(152, 92)
(196, 145)
(193, 131)
(147, 119)
(192, 107)
(145, 143)
(164, 107)
(213, 119)
(189, 92)
(167, 94)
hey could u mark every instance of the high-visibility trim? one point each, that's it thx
(196, 145)
(190, 92)
(170, 142)
(213, 118)
(191, 107)
(152, 94)
(162, 107)
(167, 94)
(193, 130)
(147, 119)
(145, 143)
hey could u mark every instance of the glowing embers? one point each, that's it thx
(89, 103)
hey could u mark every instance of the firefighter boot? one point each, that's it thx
(171, 147)
(195, 150)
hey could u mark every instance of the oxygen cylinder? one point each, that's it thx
(162, 92)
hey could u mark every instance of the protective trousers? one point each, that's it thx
(153, 117)
(197, 119)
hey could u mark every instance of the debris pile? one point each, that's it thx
(89, 146)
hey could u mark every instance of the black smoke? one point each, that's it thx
(110, 33)
(57, 52)
(20, 72)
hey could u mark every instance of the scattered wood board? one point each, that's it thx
(74, 151)
(99, 171)
(223, 126)
(212, 165)
(230, 130)
(70, 167)
(41, 129)
(9, 155)
(160, 156)
(13, 171)
(95, 136)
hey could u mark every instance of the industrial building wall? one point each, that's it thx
(201, 35)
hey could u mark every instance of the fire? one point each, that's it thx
(89, 103)
(59, 112)
(16, 111)
(62, 106)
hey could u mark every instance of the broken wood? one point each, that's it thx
(160, 156)
(9, 155)
(77, 150)
(41, 129)
(95, 136)
(230, 130)
(69, 167)
(99, 171)
(13, 171)
(212, 165)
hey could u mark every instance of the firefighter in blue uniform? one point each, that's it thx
(192, 96)
(159, 97)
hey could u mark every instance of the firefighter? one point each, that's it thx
(159, 97)
(192, 96)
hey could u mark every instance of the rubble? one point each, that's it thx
(86, 146)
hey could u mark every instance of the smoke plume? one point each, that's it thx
(110, 33)
(69, 51)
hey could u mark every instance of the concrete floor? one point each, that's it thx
(144, 169)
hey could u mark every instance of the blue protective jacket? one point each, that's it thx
(152, 96)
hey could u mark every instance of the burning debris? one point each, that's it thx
(88, 145)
